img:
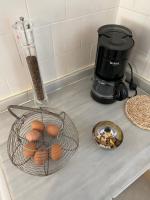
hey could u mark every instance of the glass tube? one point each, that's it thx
(26, 39)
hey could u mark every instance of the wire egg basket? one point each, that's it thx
(68, 139)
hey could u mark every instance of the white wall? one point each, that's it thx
(135, 14)
(65, 33)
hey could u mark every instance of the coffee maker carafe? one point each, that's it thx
(114, 45)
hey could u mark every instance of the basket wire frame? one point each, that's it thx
(68, 139)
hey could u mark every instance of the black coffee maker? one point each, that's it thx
(114, 45)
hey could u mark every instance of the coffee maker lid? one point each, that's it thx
(115, 37)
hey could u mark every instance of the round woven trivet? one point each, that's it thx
(138, 111)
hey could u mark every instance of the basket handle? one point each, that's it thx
(38, 110)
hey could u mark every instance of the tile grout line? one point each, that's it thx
(137, 12)
(77, 17)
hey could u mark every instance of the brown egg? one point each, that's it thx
(29, 150)
(38, 125)
(41, 156)
(56, 152)
(33, 136)
(53, 130)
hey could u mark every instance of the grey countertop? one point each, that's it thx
(92, 173)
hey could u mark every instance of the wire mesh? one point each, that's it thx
(67, 139)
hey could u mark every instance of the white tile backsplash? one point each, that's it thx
(79, 8)
(91, 23)
(139, 6)
(61, 67)
(77, 59)
(72, 61)
(135, 14)
(10, 66)
(46, 11)
(9, 12)
(146, 73)
(4, 89)
(127, 3)
(93, 53)
(66, 37)
(142, 6)
(139, 60)
(43, 42)
(106, 4)
(138, 23)
(47, 69)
